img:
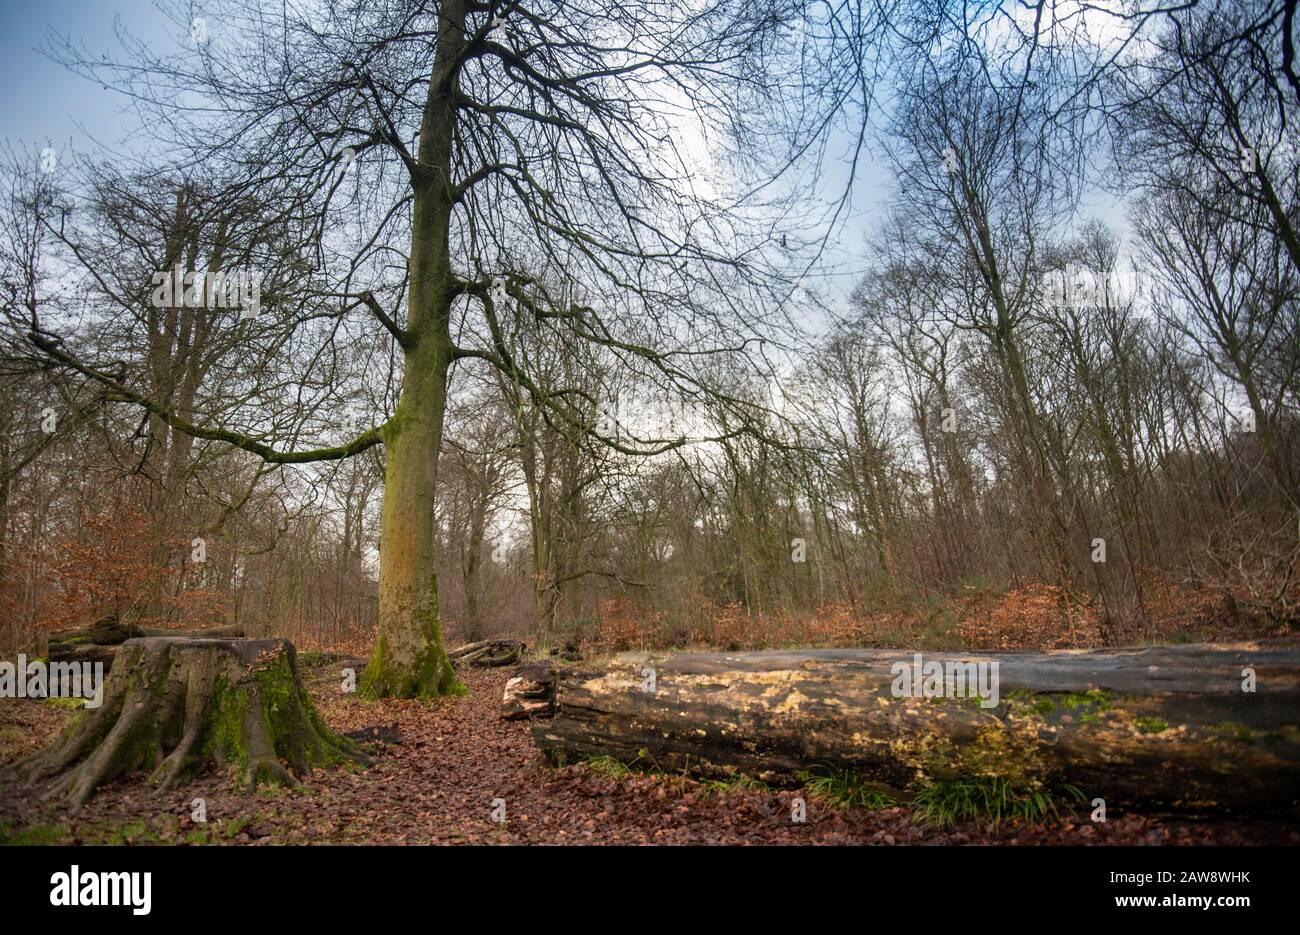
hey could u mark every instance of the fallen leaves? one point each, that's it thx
(456, 756)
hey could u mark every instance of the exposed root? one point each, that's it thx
(174, 705)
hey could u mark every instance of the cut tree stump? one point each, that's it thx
(487, 653)
(176, 704)
(1169, 727)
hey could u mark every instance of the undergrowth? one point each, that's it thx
(985, 798)
(845, 789)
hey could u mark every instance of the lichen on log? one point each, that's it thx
(1169, 727)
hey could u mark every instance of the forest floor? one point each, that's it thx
(455, 757)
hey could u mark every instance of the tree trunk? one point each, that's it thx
(408, 659)
(174, 704)
(1165, 726)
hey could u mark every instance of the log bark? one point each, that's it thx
(174, 705)
(1169, 727)
(83, 652)
(530, 693)
(487, 653)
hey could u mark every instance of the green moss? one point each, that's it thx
(1094, 700)
(225, 733)
(75, 704)
(1233, 731)
(1086, 707)
(34, 835)
(216, 832)
(284, 703)
(1151, 725)
(129, 833)
(429, 675)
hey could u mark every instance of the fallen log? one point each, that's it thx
(530, 693)
(487, 653)
(109, 631)
(83, 652)
(1192, 728)
(175, 705)
(100, 642)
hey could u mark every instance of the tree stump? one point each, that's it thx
(174, 705)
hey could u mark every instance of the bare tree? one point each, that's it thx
(479, 128)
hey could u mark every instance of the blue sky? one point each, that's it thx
(46, 104)
(43, 102)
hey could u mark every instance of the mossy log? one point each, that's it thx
(83, 652)
(100, 642)
(176, 704)
(1165, 727)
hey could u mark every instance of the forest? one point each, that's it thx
(662, 421)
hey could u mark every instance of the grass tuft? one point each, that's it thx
(741, 781)
(607, 766)
(845, 789)
(984, 798)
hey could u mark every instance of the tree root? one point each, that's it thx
(175, 705)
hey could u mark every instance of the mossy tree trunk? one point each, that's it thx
(409, 660)
(174, 705)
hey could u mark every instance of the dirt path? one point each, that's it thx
(456, 757)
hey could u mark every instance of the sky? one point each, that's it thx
(44, 103)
